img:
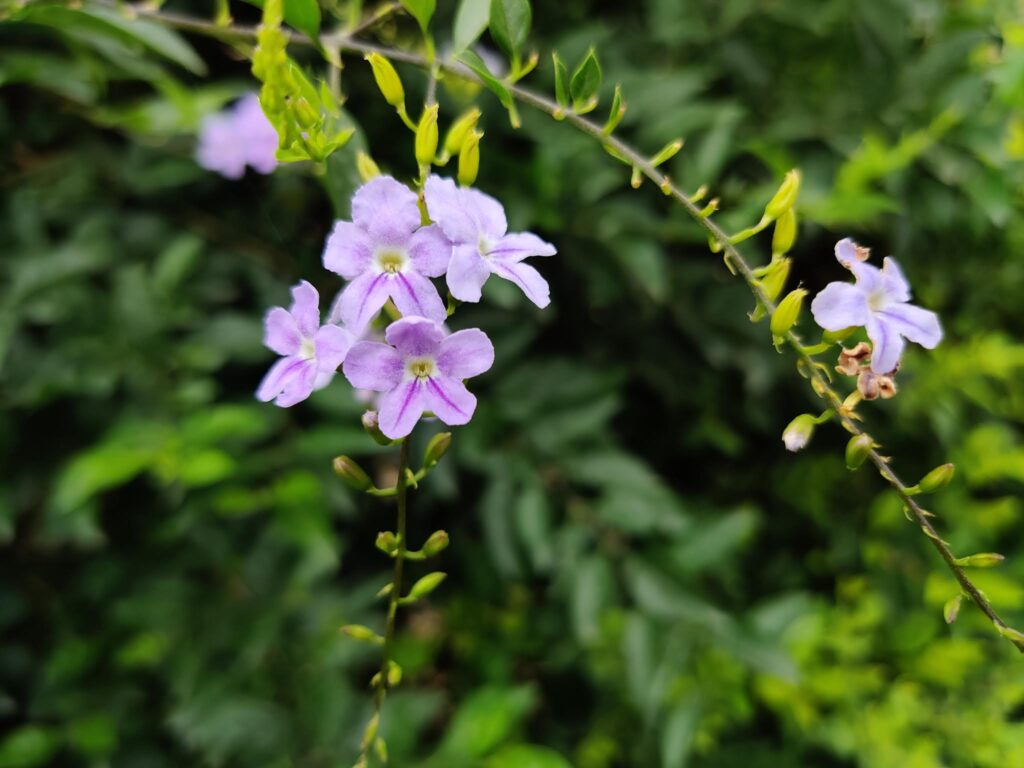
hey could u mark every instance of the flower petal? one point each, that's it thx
(281, 332)
(520, 245)
(839, 306)
(895, 285)
(331, 343)
(372, 365)
(467, 273)
(362, 299)
(282, 374)
(430, 251)
(415, 336)
(465, 215)
(348, 250)
(306, 308)
(387, 210)
(920, 326)
(887, 343)
(488, 213)
(300, 386)
(526, 277)
(449, 399)
(401, 408)
(465, 354)
(415, 295)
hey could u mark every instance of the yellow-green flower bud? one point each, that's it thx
(785, 232)
(353, 475)
(981, 560)
(788, 312)
(785, 197)
(366, 167)
(436, 449)
(425, 586)
(426, 136)
(460, 130)
(363, 634)
(799, 432)
(857, 450)
(387, 543)
(387, 80)
(775, 279)
(469, 158)
(936, 479)
(371, 423)
(437, 543)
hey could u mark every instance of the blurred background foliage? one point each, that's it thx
(640, 574)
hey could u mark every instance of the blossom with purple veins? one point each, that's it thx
(311, 353)
(878, 301)
(476, 225)
(386, 254)
(420, 369)
(236, 137)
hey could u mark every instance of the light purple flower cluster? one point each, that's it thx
(879, 301)
(236, 137)
(390, 251)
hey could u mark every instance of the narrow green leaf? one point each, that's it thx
(510, 25)
(585, 80)
(475, 63)
(470, 22)
(561, 81)
(421, 10)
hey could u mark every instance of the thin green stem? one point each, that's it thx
(734, 259)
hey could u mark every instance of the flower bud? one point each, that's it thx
(371, 424)
(775, 279)
(425, 586)
(426, 136)
(952, 608)
(850, 360)
(667, 152)
(387, 542)
(363, 634)
(937, 479)
(460, 129)
(366, 167)
(387, 80)
(788, 311)
(857, 450)
(436, 449)
(436, 544)
(785, 232)
(981, 560)
(353, 475)
(785, 197)
(799, 432)
(469, 158)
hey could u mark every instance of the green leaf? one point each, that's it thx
(677, 735)
(304, 15)
(475, 63)
(470, 22)
(29, 746)
(484, 720)
(585, 81)
(421, 10)
(526, 756)
(561, 81)
(510, 25)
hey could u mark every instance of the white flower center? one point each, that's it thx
(420, 367)
(307, 349)
(485, 246)
(877, 300)
(391, 260)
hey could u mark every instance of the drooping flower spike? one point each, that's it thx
(420, 369)
(878, 301)
(387, 254)
(311, 353)
(476, 225)
(236, 137)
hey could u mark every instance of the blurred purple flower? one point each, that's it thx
(476, 225)
(238, 136)
(879, 301)
(310, 353)
(420, 369)
(387, 254)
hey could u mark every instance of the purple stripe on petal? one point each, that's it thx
(300, 386)
(887, 344)
(280, 376)
(362, 299)
(281, 332)
(401, 408)
(371, 365)
(520, 245)
(920, 326)
(450, 401)
(414, 294)
(465, 354)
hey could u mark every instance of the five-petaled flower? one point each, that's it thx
(387, 254)
(420, 369)
(878, 301)
(239, 136)
(311, 353)
(476, 225)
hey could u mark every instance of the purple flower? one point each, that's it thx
(238, 136)
(879, 301)
(311, 353)
(387, 255)
(476, 225)
(420, 369)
